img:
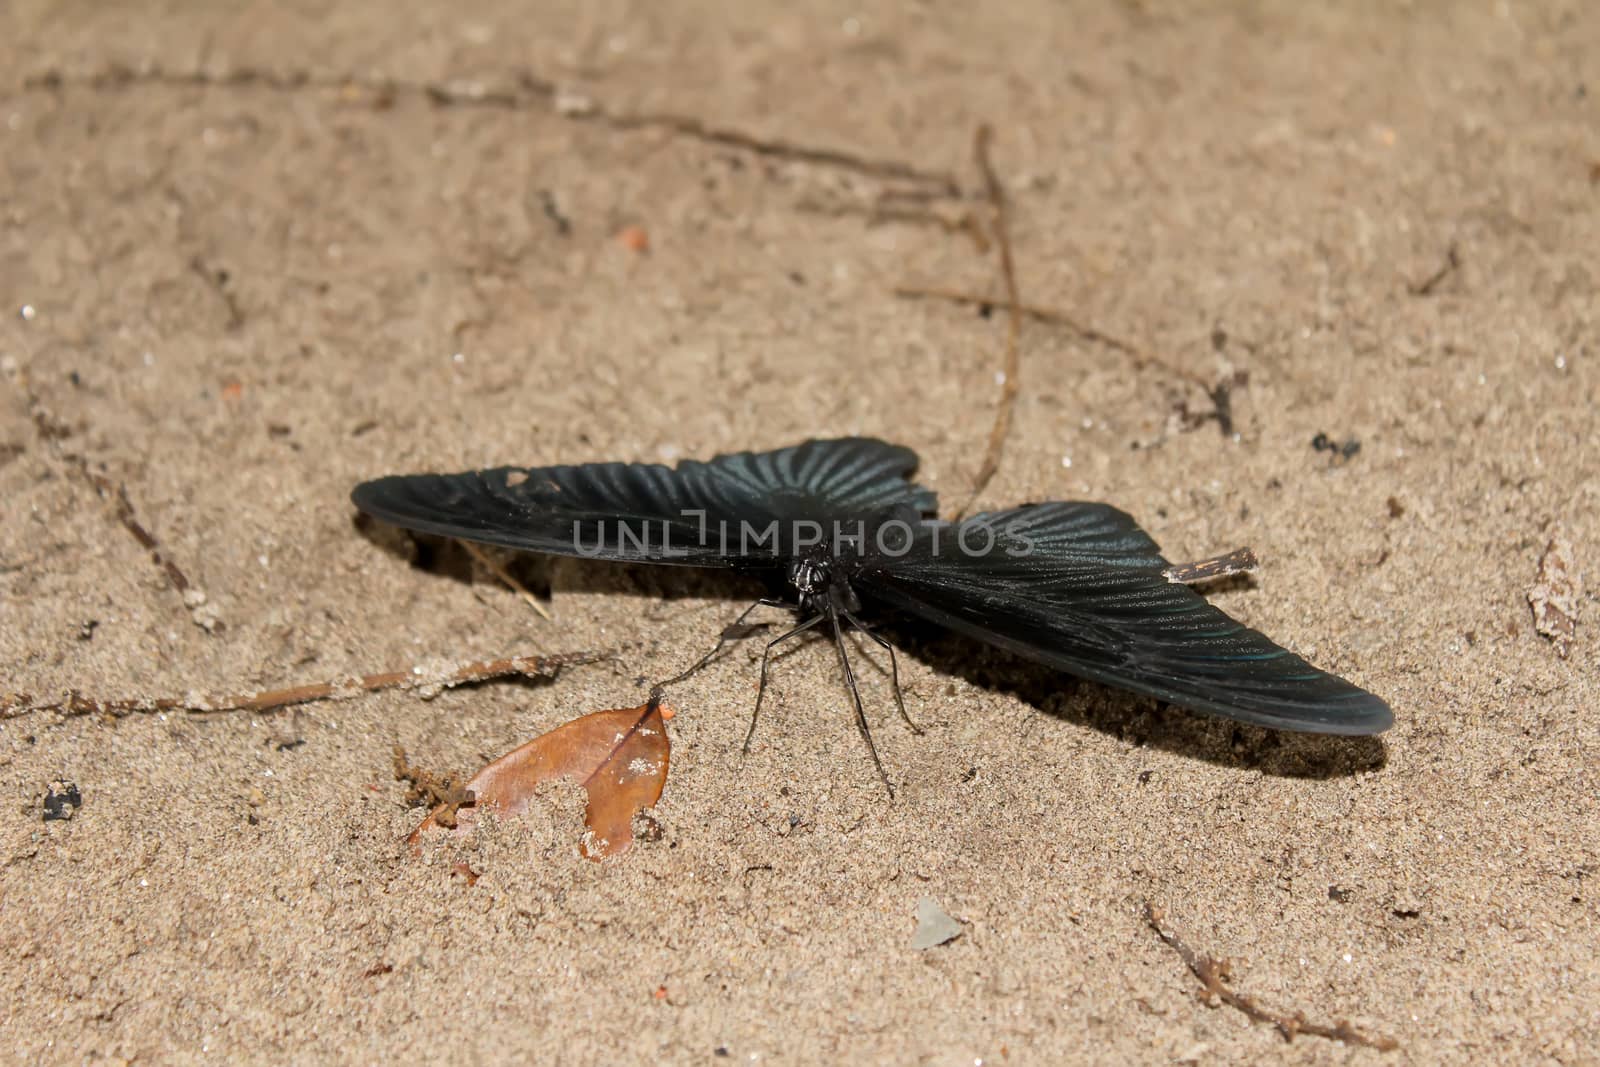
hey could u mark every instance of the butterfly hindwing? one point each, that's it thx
(1081, 587)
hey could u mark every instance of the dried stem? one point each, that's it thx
(523, 91)
(1138, 356)
(505, 576)
(1012, 361)
(51, 432)
(1213, 975)
(14, 705)
(1452, 263)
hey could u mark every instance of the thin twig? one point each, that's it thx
(217, 281)
(699, 130)
(1012, 361)
(1452, 261)
(51, 432)
(505, 576)
(15, 705)
(130, 522)
(890, 208)
(525, 91)
(1213, 975)
(1138, 356)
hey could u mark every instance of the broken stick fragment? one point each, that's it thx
(1239, 561)
(1554, 598)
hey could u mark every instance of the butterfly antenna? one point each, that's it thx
(850, 680)
(894, 669)
(730, 632)
(766, 658)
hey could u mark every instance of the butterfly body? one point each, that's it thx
(1078, 586)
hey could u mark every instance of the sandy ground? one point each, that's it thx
(249, 257)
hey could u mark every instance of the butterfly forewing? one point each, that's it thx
(1082, 588)
(740, 510)
(825, 481)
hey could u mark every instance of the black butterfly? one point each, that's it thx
(1074, 585)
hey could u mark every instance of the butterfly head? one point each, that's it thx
(816, 584)
(809, 577)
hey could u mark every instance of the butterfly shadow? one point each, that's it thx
(541, 575)
(1139, 720)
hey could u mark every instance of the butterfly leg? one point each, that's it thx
(855, 695)
(729, 633)
(894, 669)
(766, 658)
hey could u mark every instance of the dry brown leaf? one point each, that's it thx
(619, 757)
